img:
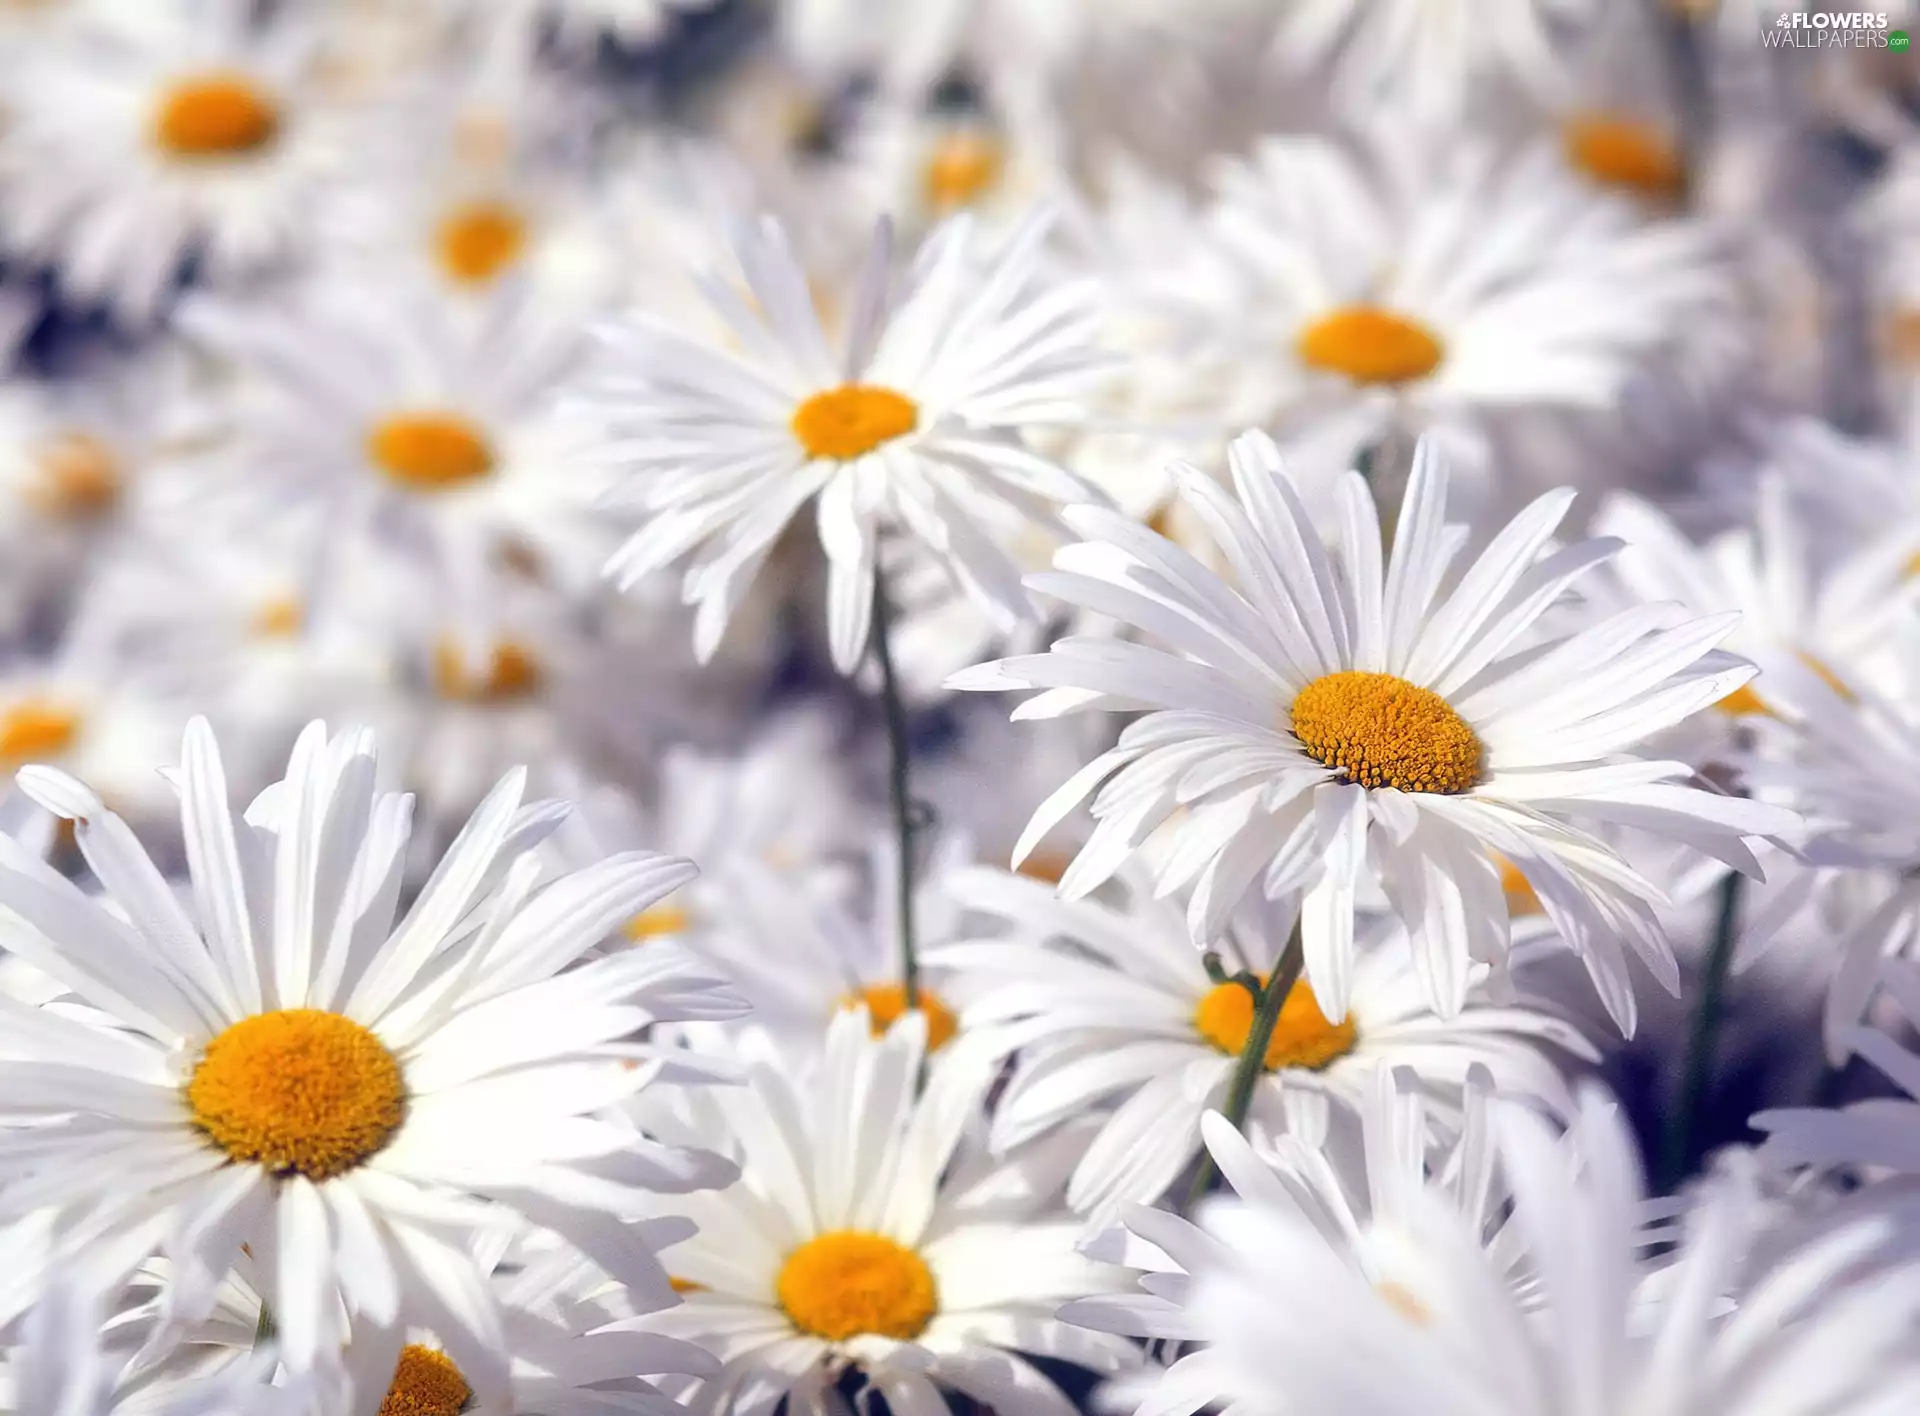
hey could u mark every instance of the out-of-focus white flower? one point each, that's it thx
(913, 428)
(869, 1228)
(416, 432)
(1349, 296)
(1110, 1006)
(1824, 1327)
(132, 150)
(298, 1075)
(1336, 716)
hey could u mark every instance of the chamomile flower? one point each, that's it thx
(416, 431)
(1109, 1005)
(868, 1230)
(1366, 294)
(914, 427)
(1340, 716)
(1602, 1330)
(193, 136)
(277, 1066)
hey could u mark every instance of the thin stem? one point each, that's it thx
(897, 786)
(264, 1328)
(1702, 1029)
(1252, 1064)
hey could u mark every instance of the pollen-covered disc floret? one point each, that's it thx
(1371, 346)
(300, 1091)
(1385, 732)
(848, 1282)
(852, 420)
(1303, 1037)
(426, 1383)
(480, 240)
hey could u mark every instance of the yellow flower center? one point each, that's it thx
(512, 673)
(1618, 151)
(1399, 1298)
(663, 918)
(1301, 1038)
(1046, 866)
(1371, 346)
(215, 115)
(1900, 340)
(36, 730)
(479, 240)
(429, 452)
(279, 618)
(426, 1383)
(684, 1286)
(963, 166)
(299, 1091)
(887, 1003)
(852, 420)
(1385, 732)
(845, 1283)
(79, 478)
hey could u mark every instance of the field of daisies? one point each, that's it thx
(998, 707)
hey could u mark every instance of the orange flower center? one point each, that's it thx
(299, 1091)
(661, 919)
(963, 165)
(430, 452)
(1371, 346)
(1385, 732)
(847, 1283)
(512, 673)
(1301, 1038)
(426, 1383)
(36, 731)
(479, 240)
(215, 115)
(887, 1003)
(1618, 151)
(79, 477)
(852, 420)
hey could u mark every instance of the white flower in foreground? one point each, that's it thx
(1324, 720)
(281, 1066)
(1824, 1328)
(1358, 1202)
(869, 1229)
(131, 149)
(1111, 1006)
(914, 425)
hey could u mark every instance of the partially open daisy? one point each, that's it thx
(194, 135)
(914, 427)
(1338, 715)
(1109, 1006)
(868, 1231)
(276, 1065)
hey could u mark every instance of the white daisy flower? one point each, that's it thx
(194, 136)
(1358, 1201)
(1440, 58)
(1359, 295)
(916, 426)
(1109, 1006)
(1330, 720)
(1833, 614)
(410, 425)
(279, 1066)
(1824, 1327)
(867, 1230)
